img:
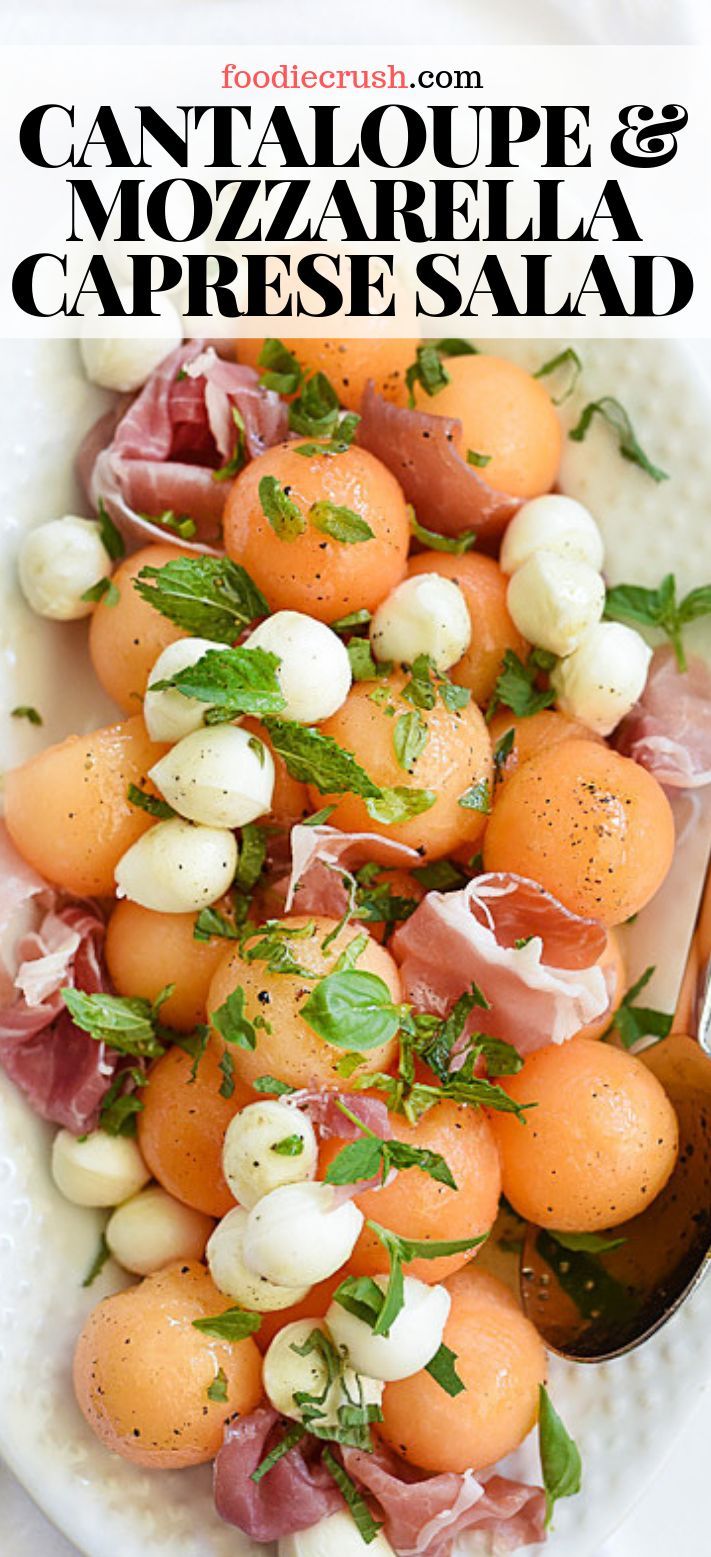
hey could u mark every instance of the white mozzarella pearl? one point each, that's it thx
(125, 362)
(176, 867)
(58, 562)
(152, 1229)
(599, 683)
(552, 523)
(168, 715)
(252, 1165)
(336, 1536)
(231, 1273)
(222, 776)
(414, 1336)
(555, 600)
(98, 1170)
(426, 614)
(315, 671)
(287, 1373)
(300, 1234)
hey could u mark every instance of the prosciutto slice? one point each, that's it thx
(329, 1121)
(423, 451)
(669, 730)
(425, 1515)
(296, 1493)
(539, 993)
(321, 860)
(161, 451)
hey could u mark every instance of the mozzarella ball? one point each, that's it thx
(301, 1233)
(601, 680)
(555, 600)
(252, 1161)
(426, 614)
(124, 363)
(58, 562)
(176, 867)
(336, 1536)
(222, 776)
(286, 1373)
(231, 1273)
(415, 1335)
(315, 671)
(168, 715)
(97, 1169)
(152, 1229)
(552, 523)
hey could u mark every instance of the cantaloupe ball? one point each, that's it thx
(292, 1051)
(484, 588)
(502, 1363)
(418, 1206)
(145, 951)
(290, 798)
(142, 1371)
(534, 733)
(506, 415)
(125, 639)
(315, 573)
(67, 809)
(181, 1127)
(594, 828)
(599, 1145)
(456, 756)
(347, 364)
(612, 963)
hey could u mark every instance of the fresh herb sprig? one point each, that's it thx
(659, 608)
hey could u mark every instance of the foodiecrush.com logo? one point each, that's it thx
(375, 78)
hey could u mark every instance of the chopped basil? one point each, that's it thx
(480, 460)
(195, 1045)
(516, 684)
(217, 1390)
(374, 900)
(342, 524)
(252, 856)
(119, 1108)
(398, 804)
(350, 954)
(634, 1022)
(442, 1369)
(234, 1324)
(103, 1253)
(659, 608)
(105, 590)
(454, 346)
(618, 420)
(315, 758)
(409, 739)
(372, 1157)
(178, 524)
(361, 1296)
(352, 1010)
(426, 685)
(238, 458)
(477, 797)
(587, 1243)
(26, 711)
(440, 876)
(502, 752)
(354, 619)
(560, 1456)
(281, 370)
(563, 359)
(285, 516)
(209, 597)
(292, 1436)
(150, 803)
(315, 413)
(318, 818)
(271, 945)
(456, 544)
(272, 1086)
(401, 1251)
(427, 370)
(339, 443)
(289, 1146)
(363, 666)
(231, 1023)
(111, 537)
(368, 1528)
(227, 1066)
(210, 922)
(233, 681)
(124, 1023)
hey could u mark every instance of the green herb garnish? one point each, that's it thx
(284, 515)
(618, 420)
(26, 711)
(563, 359)
(209, 597)
(659, 608)
(560, 1456)
(634, 1022)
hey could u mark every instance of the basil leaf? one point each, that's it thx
(119, 1108)
(367, 1158)
(180, 524)
(233, 681)
(502, 752)
(317, 759)
(210, 922)
(368, 1528)
(289, 1146)
(560, 1456)
(316, 411)
(318, 818)
(346, 624)
(272, 1086)
(409, 739)
(361, 1296)
(453, 346)
(399, 804)
(234, 1324)
(293, 1436)
(252, 856)
(227, 1066)
(217, 1390)
(342, 524)
(363, 666)
(150, 803)
(123, 1023)
(456, 544)
(103, 1253)
(618, 420)
(272, 947)
(285, 516)
(427, 370)
(634, 1022)
(281, 369)
(352, 1010)
(104, 590)
(442, 1369)
(209, 597)
(238, 459)
(358, 1160)
(480, 460)
(659, 608)
(587, 1243)
(440, 876)
(477, 797)
(402, 1251)
(231, 1023)
(563, 359)
(26, 711)
(111, 537)
(515, 686)
(432, 1163)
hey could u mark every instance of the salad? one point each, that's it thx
(312, 956)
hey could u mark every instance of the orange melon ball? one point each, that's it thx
(145, 951)
(533, 733)
(484, 588)
(125, 639)
(67, 809)
(417, 1206)
(613, 966)
(594, 828)
(181, 1127)
(599, 1145)
(313, 572)
(290, 1049)
(142, 1371)
(506, 415)
(502, 1363)
(290, 799)
(348, 364)
(314, 1306)
(457, 755)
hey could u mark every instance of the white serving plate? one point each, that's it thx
(624, 1414)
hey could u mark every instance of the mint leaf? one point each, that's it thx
(285, 516)
(231, 1023)
(442, 1369)
(122, 1022)
(516, 686)
(563, 359)
(104, 590)
(217, 1390)
(354, 619)
(477, 797)
(317, 759)
(618, 420)
(316, 411)
(111, 537)
(150, 803)
(480, 460)
(409, 739)
(210, 922)
(352, 1010)
(427, 370)
(103, 1253)
(455, 544)
(178, 524)
(232, 681)
(26, 711)
(659, 608)
(289, 1146)
(454, 346)
(560, 1456)
(399, 804)
(238, 457)
(634, 1022)
(252, 856)
(587, 1243)
(440, 876)
(281, 370)
(234, 1324)
(272, 1086)
(363, 666)
(401, 1251)
(342, 524)
(209, 597)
